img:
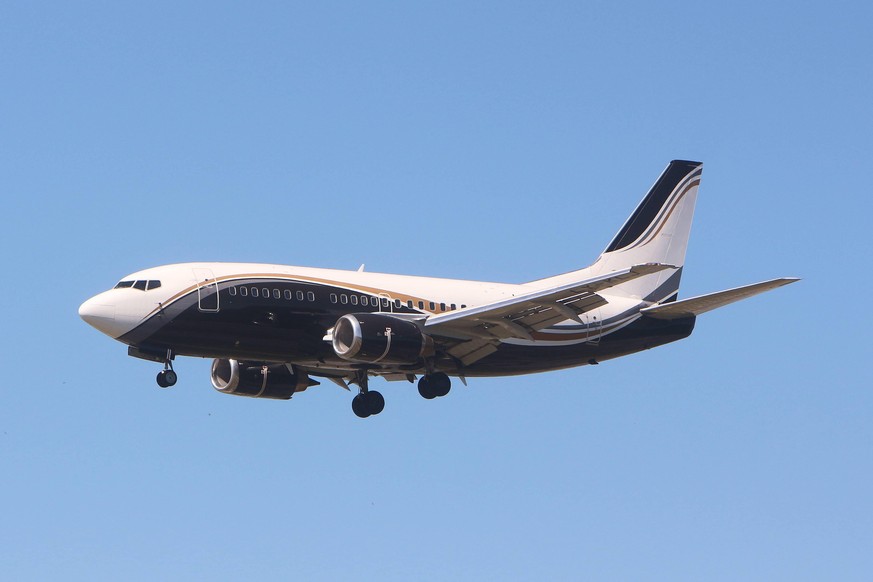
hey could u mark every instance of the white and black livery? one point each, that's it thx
(271, 329)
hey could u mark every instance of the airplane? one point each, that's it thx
(271, 329)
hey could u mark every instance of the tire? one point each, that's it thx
(425, 388)
(162, 379)
(170, 377)
(440, 384)
(359, 406)
(375, 402)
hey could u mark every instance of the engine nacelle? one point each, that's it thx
(258, 380)
(377, 338)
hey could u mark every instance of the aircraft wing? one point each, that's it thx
(704, 303)
(481, 328)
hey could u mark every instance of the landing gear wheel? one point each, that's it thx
(426, 389)
(359, 406)
(440, 383)
(368, 404)
(375, 402)
(167, 378)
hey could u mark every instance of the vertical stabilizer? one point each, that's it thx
(657, 232)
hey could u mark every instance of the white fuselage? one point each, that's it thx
(119, 310)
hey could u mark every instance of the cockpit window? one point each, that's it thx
(141, 285)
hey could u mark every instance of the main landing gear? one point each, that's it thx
(434, 385)
(167, 377)
(367, 402)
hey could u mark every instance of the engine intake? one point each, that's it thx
(377, 338)
(258, 380)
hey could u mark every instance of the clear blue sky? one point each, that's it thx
(501, 141)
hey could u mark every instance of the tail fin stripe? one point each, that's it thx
(652, 205)
(658, 224)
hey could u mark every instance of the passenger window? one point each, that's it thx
(265, 292)
(385, 302)
(353, 299)
(310, 296)
(344, 299)
(397, 303)
(421, 304)
(287, 294)
(432, 306)
(463, 306)
(442, 306)
(365, 301)
(141, 285)
(244, 291)
(409, 303)
(277, 294)
(333, 297)
(453, 307)
(254, 291)
(231, 291)
(300, 296)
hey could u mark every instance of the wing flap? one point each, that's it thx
(543, 314)
(472, 351)
(704, 303)
(536, 310)
(481, 328)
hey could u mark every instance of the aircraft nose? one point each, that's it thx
(99, 313)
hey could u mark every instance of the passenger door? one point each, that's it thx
(207, 290)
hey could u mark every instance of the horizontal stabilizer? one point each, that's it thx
(704, 303)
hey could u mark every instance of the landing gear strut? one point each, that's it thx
(167, 377)
(367, 402)
(434, 385)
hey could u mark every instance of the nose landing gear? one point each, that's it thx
(167, 377)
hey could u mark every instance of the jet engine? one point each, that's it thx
(378, 338)
(258, 380)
